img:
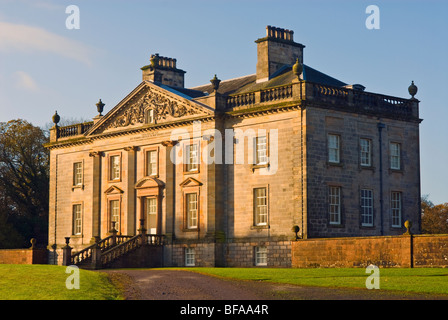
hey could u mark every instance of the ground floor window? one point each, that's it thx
(189, 257)
(261, 256)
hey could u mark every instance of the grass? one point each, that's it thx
(418, 280)
(48, 282)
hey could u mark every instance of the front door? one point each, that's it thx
(151, 215)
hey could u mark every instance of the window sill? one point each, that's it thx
(371, 168)
(335, 164)
(190, 230)
(78, 187)
(258, 166)
(259, 227)
(401, 171)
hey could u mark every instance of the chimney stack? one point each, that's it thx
(163, 70)
(276, 50)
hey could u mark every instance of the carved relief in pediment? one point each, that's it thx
(164, 108)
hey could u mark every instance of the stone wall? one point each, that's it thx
(387, 251)
(23, 256)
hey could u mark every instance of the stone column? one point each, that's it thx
(170, 192)
(131, 198)
(96, 195)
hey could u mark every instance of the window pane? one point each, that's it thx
(189, 257)
(335, 205)
(77, 219)
(396, 209)
(77, 174)
(333, 148)
(115, 213)
(151, 158)
(151, 209)
(394, 150)
(192, 210)
(366, 207)
(261, 256)
(261, 208)
(261, 150)
(115, 167)
(192, 157)
(366, 154)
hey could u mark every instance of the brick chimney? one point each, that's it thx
(163, 70)
(276, 50)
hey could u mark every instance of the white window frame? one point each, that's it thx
(77, 219)
(395, 155)
(151, 162)
(365, 147)
(261, 256)
(396, 203)
(115, 212)
(261, 150)
(151, 209)
(77, 174)
(190, 257)
(366, 198)
(260, 206)
(192, 210)
(334, 148)
(334, 205)
(192, 157)
(115, 167)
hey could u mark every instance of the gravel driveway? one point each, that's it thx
(147, 284)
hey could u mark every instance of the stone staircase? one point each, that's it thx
(115, 250)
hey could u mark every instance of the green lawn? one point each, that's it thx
(423, 280)
(48, 282)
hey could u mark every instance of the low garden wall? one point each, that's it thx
(31, 255)
(385, 251)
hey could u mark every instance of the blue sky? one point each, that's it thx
(46, 67)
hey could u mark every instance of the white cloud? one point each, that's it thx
(23, 38)
(24, 81)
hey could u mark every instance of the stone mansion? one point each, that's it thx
(230, 172)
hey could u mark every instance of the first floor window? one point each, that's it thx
(189, 257)
(395, 205)
(115, 168)
(77, 219)
(366, 152)
(335, 205)
(333, 148)
(394, 153)
(261, 256)
(115, 213)
(192, 157)
(260, 207)
(261, 156)
(77, 174)
(192, 210)
(366, 207)
(151, 163)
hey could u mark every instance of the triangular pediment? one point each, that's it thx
(149, 105)
(113, 190)
(190, 182)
